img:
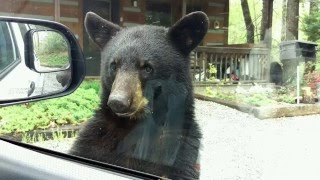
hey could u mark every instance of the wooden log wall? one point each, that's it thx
(131, 15)
(71, 12)
(217, 11)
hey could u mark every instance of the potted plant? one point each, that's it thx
(312, 80)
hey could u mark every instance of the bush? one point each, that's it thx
(312, 80)
(54, 42)
(311, 26)
(73, 109)
(51, 49)
(255, 96)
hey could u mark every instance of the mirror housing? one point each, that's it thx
(69, 76)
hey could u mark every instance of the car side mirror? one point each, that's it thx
(39, 59)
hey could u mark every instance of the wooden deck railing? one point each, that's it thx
(246, 64)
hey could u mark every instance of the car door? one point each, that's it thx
(13, 64)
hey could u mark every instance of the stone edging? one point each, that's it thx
(67, 131)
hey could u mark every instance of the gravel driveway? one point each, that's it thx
(239, 146)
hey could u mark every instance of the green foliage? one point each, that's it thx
(212, 69)
(27, 138)
(91, 84)
(255, 99)
(259, 99)
(285, 98)
(220, 94)
(51, 49)
(212, 72)
(73, 109)
(210, 92)
(237, 28)
(41, 137)
(58, 136)
(52, 43)
(311, 26)
(54, 59)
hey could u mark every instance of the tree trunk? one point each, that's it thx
(283, 20)
(292, 19)
(248, 21)
(264, 20)
(290, 69)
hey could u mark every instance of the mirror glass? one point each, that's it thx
(51, 51)
(52, 70)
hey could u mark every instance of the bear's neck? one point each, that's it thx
(154, 132)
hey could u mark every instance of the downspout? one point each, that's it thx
(184, 7)
(57, 10)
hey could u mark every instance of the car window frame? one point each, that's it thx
(80, 161)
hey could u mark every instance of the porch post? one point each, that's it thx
(184, 7)
(268, 37)
(57, 10)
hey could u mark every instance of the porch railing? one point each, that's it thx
(233, 63)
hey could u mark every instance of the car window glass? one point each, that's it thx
(232, 94)
(7, 48)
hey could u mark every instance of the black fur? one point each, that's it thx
(165, 139)
(276, 73)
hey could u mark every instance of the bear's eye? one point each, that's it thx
(113, 66)
(148, 69)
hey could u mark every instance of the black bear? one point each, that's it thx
(145, 120)
(276, 72)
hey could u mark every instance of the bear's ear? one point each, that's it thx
(189, 31)
(99, 29)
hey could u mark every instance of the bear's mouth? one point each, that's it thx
(144, 107)
(137, 112)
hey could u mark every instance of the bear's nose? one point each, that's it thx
(118, 103)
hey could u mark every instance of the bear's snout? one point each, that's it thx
(119, 103)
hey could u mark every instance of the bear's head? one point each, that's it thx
(132, 57)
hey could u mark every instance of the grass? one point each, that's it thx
(73, 109)
(54, 60)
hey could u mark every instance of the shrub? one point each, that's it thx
(312, 80)
(212, 71)
(311, 26)
(256, 96)
(73, 109)
(53, 43)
